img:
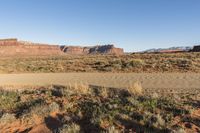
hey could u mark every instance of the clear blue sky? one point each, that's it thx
(131, 24)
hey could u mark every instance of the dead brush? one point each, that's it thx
(81, 88)
(70, 128)
(135, 88)
(104, 92)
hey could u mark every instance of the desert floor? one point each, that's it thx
(63, 102)
(115, 80)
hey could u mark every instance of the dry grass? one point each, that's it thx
(82, 88)
(7, 118)
(71, 128)
(135, 88)
(168, 62)
(104, 92)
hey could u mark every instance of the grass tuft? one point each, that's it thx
(135, 89)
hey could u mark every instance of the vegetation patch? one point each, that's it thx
(95, 109)
(144, 62)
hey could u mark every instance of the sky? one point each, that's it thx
(130, 24)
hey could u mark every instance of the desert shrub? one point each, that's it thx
(183, 63)
(178, 129)
(157, 121)
(101, 62)
(69, 106)
(150, 104)
(137, 116)
(81, 88)
(53, 107)
(27, 92)
(55, 91)
(23, 107)
(134, 102)
(96, 111)
(135, 88)
(62, 91)
(70, 128)
(104, 92)
(154, 95)
(7, 118)
(107, 68)
(93, 111)
(41, 110)
(112, 129)
(116, 64)
(136, 62)
(9, 100)
(171, 106)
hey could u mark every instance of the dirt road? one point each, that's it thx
(118, 80)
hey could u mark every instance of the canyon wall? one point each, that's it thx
(11, 47)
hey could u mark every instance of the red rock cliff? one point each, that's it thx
(10, 47)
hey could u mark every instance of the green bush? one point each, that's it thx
(9, 100)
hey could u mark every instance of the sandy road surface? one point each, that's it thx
(118, 80)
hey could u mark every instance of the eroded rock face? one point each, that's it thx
(104, 49)
(196, 48)
(74, 50)
(8, 42)
(107, 49)
(11, 47)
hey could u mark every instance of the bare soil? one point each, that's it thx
(176, 81)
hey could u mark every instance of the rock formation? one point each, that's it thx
(196, 48)
(11, 47)
(8, 42)
(107, 49)
(75, 50)
(104, 49)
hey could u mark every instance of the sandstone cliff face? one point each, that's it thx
(75, 50)
(8, 42)
(10, 47)
(105, 49)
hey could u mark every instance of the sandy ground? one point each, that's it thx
(117, 80)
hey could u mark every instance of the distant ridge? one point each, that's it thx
(171, 49)
(11, 47)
